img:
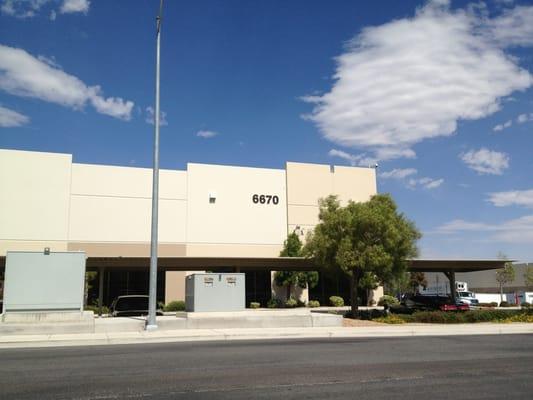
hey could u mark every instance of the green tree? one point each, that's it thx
(292, 247)
(417, 279)
(505, 275)
(528, 276)
(371, 237)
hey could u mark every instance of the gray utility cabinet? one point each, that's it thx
(44, 282)
(215, 292)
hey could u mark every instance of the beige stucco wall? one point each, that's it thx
(174, 286)
(307, 183)
(113, 204)
(234, 223)
(34, 200)
(48, 201)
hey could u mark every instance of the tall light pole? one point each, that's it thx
(151, 322)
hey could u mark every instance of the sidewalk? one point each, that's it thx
(189, 335)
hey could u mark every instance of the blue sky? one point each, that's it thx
(438, 93)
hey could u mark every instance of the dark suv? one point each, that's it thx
(425, 302)
(127, 306)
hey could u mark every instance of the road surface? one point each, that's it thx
(451, 367)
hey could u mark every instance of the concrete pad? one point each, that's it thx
(46, 317)
(46, 328)
(118, 324)
(262, 318)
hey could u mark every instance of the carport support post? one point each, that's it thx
(100, 290)
(451, 277)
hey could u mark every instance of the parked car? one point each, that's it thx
(469, 298)
(132, 305)
(431, 303)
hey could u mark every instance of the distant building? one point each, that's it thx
(482, 281)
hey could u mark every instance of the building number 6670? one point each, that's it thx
(265, 199)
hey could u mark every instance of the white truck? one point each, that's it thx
(461, 288)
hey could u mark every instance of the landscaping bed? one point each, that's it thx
(447, 317)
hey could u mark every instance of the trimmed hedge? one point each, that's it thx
(291, 303)
(369, 314)
(336, 301)
(387, 300)
(176, 305)
(313, 303)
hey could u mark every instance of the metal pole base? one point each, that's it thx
(150, 328)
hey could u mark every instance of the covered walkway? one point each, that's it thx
(243, 264)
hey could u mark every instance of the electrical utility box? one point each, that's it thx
(215, 292)
(44, 282)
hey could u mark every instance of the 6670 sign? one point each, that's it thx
(265, 199)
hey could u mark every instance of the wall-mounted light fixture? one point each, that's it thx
(212, 197)
(47, 251)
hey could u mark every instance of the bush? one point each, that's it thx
(523, 317)
(176, 305)
(449, 317)
(274, 303)
(391, 319)
(291, 303)
(255, 304)
(369, 314)
(336, 301)
(505, 304)
(313, 303)
(388, 301)
(525, 305)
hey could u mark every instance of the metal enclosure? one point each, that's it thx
(35, 281)
(215, 292)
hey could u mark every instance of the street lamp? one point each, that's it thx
(151, 323)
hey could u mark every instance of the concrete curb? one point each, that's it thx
(191, 335)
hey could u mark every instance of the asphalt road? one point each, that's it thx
(452, 367)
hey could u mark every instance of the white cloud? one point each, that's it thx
(353, 159)
(512, 198)
(426, 183)
(22, 8)
(514, 27)
(150, 113)
(522, 118)
(75, 6)
(486, 161)
(413, 182)
(11, 119)
(206, 134)
(501, 127)
(412, 79)
(31, 8)
(22, 74)
(519, 230)
(398, 173)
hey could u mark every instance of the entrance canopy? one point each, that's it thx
(272, 263)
